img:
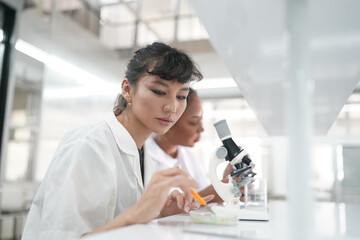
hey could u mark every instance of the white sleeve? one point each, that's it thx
(77, 196)
(201, 179)
(194, 168)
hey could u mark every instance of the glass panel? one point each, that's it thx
(350, 184)
(17, 160)
(348, 122)
(351, 168)
(24, 119)
(118, 26)
(190, 28)
(155, 9)
(185, 8)
(145, 35)
(164, 29)
(117, 14)
(120, 37)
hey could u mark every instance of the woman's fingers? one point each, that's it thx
(185, 198)
(172, 172)
(155, 196)
(195, 204)
(242, 190)
(178, 197)
(183, 181)
(229, 168)
(208, 198)
(162, 181)
(178, 174)
(181, 202)
(169, 201)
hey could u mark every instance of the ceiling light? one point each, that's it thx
(63, 67)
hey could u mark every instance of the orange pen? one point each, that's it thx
(198, 197)
(201, 200)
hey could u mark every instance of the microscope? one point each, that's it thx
(242, 175)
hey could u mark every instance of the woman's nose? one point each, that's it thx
(170, 107)
(200, 128)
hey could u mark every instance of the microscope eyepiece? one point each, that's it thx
(222, 129)
(224, 134)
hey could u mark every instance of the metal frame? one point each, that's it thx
(9, 20)
(7, 83)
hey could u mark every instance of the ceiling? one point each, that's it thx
(251, 37)
(127, 24)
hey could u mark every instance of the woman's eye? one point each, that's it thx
(181, 97)
(193, 123)
(157, 92)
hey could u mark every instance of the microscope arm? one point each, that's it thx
(223, 189)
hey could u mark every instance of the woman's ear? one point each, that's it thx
(126, 87)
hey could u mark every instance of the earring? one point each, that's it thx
(129, 103)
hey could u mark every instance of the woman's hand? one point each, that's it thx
(154, 198)
(229, 168)
(155, 195)
(177, 204)
(226, 175)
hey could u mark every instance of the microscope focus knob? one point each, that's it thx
(221, 152)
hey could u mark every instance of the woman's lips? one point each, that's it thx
(197, 138)
(165, 121)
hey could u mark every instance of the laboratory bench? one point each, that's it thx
(330, 220)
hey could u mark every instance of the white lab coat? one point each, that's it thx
(156, 159)
(94, 176)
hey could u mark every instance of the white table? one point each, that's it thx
(332, 221)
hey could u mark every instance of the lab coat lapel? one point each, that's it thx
(149, 164)
(183, 159)
(155, 153)
(137, 171)
(126, 144)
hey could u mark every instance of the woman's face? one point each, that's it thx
(188, 128)
(157, 103)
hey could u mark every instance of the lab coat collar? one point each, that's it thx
(153, 156)
(149, 164)
(126, 143)
(156, 153)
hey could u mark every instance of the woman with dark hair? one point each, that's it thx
(95, 181)
(172, 148)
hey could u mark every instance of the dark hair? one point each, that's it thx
(161, 60)
(190, 96)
